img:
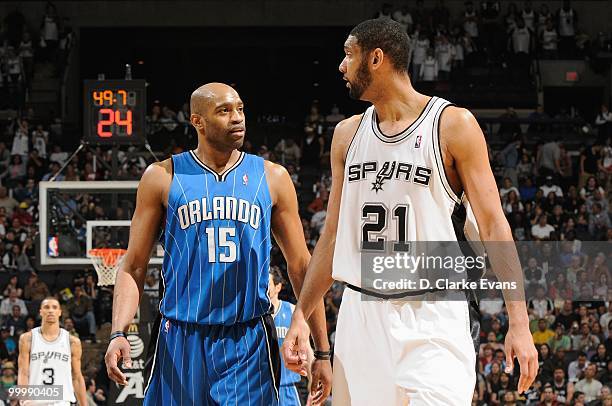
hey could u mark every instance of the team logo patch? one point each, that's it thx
(245, 179)
(385, 172)
(167, 326)
(417, 143)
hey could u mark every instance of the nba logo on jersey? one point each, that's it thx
(417, 143)
(245, 179)
(167, 326)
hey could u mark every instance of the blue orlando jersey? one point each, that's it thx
(217, 242)
(282, 321)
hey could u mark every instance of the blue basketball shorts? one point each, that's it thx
(289, 395)
(212, 365)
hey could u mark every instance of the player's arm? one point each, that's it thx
(465, 146)
(78, 382)
(288, 233)
(318, 275)
(25, 343)
(129, 284)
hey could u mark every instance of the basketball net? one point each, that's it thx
(106, 261)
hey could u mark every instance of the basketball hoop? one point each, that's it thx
(106, 261)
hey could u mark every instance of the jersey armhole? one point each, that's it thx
(348, 150)
(457, 198)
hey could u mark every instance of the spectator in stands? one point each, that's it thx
(536, 118)
(599, 222)
(601, 357)
(95, 395)
(509, 123)
(444, 53)
(567, 19)
(419, 54)
(585, 341)
(35, 290)
(588, 164)
(6, 307)
(590, 386)
(81, 310)
(317, 221)
(510, 157)
(549, 40)
(511, 17)
(334, 117)
(560, 289)
(590, 187)
(13, 284)
(549, 186)
(15, 323)
(9, 373)
(491, 31)
(521, 46)
(491, 307)
(470, 21)
(430, 68)
(58, 155)
(21, 139)
(603, 122)
(543, 16)
(404, 17)
(312, 147)
(543, 334)
(507, 187)
(542, 230)
(548, 159)
(546, 363)
(539, 306)
(560, 339)
(576, 368)
(288, 152)
(561, 387)
(69, 327)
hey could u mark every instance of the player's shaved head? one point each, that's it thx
(50, 298)
(206, 96)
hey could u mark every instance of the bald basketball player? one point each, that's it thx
(217, 343)
(403, 171)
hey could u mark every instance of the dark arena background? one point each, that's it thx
(539, 86)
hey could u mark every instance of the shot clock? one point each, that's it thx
(114, 111)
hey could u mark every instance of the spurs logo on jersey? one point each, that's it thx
(389, 170)
(394, 190)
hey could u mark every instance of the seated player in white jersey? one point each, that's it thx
(219, 208)
(283, 311)
(49, 355)
(401, 171)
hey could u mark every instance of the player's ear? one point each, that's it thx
(377, 58)
(197, 121)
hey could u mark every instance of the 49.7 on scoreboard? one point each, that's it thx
(114, 111)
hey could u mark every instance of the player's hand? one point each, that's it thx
(519, 344)
(296, 346)
(118, 349)
(321, 381)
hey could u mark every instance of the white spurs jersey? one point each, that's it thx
(51, 362)
(395, 189)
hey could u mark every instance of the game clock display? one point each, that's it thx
(114, 111)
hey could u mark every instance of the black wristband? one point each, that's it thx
(116, 334)
(322, 355)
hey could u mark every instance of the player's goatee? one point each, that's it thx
(361, 82)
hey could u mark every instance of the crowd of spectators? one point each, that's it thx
(23, 45)
(500, 36)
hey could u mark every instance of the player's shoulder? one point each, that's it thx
(455, 117)
(157, 174)
(74, 340)
(25, 338)
(346, 128)
(275, 171)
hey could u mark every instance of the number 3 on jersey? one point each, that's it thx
(375, 222)
(227, 246)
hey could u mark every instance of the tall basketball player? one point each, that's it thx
(391, 352)
(49, 355)
(216, 344)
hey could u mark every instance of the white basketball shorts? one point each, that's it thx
(413, 353)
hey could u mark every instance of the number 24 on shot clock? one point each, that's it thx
(114, 111)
